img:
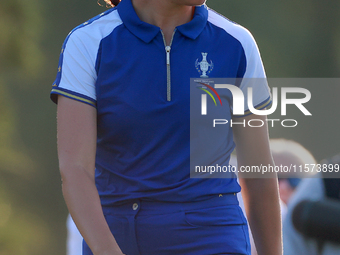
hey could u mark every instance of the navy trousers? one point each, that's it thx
(213, 226)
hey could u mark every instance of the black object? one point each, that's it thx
(318, 219)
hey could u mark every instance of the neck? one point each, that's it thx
(163, 13)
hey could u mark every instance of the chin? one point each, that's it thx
(194, 2)
(199, 2)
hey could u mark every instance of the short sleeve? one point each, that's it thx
(77, 75)
(250, 71)
(255, 78)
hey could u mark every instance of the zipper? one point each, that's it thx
(168, 70)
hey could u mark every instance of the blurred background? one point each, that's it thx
(296, 39)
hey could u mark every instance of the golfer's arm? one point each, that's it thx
(77, 134)
(260, 195)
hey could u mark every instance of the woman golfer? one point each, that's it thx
(123, 94)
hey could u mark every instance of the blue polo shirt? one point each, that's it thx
(140, 88)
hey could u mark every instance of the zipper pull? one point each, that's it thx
(167, 49)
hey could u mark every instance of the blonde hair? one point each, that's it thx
(292, 147)
(291, 153)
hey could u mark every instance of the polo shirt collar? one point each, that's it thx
(195, 27)
(146, 32)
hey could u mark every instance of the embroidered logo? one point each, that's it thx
(203, 67)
